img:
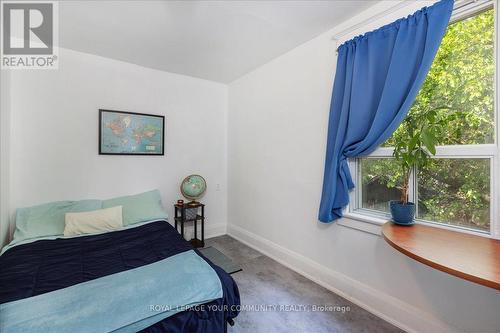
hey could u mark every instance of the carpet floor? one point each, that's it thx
(281, 300)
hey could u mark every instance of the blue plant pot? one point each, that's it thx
(403, 214)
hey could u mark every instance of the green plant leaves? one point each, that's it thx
(429, 141)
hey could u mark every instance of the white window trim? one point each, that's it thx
(495, 182)
(371, 220)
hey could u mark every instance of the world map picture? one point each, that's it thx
(127, 133)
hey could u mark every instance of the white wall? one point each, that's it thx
(277, 131)
(4, 154)
(54, 134)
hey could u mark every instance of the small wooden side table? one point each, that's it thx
(191, 212)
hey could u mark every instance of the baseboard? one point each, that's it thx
(391, 309)
(215, 230)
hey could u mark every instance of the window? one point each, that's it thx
(455, 191)
(457, 188)
(379, 186)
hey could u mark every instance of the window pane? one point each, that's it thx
(379, 177)
(456, 191)
(460, 84)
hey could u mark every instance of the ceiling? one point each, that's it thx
(213, 40)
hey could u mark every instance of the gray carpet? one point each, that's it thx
(264, 281)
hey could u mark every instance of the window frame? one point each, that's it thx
(462, 10)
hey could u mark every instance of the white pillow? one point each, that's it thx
(95, 221)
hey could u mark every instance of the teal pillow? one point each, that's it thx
(48, 219)
(138, 208)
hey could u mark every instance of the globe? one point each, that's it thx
(193, 187)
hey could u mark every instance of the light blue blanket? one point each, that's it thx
(123, 302)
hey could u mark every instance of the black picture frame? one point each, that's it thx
(101, 152)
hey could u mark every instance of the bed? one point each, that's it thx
(55, 272)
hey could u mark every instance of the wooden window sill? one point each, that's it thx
(470, 257)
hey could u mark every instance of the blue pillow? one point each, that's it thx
(48, 219)
(139, 208)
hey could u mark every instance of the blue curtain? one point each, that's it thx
(377, 79)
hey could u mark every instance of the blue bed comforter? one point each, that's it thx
(47, 265)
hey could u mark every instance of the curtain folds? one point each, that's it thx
(377, 79)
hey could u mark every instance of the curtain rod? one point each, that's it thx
(371, 19)
(459, 7)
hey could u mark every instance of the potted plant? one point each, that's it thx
(414, 143)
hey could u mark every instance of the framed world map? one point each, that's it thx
(130, 133)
